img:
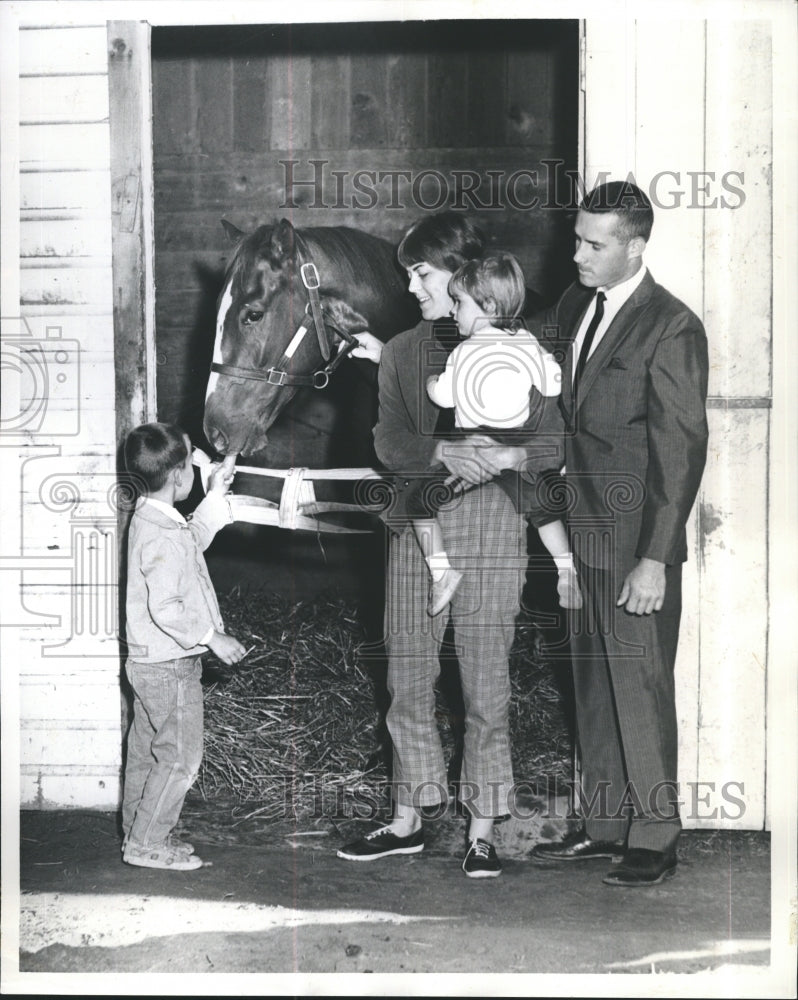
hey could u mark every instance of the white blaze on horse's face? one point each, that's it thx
(221, 316)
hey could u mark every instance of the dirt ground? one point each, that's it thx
(275, 899)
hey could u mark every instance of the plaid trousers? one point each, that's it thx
(485, 540)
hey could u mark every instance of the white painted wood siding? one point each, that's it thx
(59, 549)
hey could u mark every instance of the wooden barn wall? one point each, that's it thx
(59, 531)
(716, 116)
(488, 99)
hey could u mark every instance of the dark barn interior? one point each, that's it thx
(367, 125)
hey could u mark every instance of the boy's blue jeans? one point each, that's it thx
(164, 746)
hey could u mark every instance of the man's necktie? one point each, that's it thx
(587, 343)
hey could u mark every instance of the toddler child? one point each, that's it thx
(172, 619)
(495, 380)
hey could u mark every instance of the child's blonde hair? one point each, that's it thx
(496, 277)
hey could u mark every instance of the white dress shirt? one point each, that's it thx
(615, 298)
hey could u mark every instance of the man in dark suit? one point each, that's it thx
(634, 401)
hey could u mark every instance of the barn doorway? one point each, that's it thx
(364, 124)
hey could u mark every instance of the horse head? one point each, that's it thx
(290, 297)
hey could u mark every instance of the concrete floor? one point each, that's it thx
(276, 901)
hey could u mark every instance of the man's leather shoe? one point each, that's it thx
(642, 867)
(578, 846)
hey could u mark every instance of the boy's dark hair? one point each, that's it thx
(153, 450)
(497, 276)
(628, 202)
(445, 241)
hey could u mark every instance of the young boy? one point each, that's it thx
(172, 619)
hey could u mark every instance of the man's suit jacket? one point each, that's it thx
(636, 438)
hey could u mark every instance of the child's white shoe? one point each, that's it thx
(441, 591)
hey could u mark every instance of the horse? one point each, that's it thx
(291, 301)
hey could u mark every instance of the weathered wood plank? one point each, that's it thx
(289, 95)
(214, 84)
(72, 146)
(63, 99)
(447, 110)
(83, 193)
(733, 639)
(54, 238)
(174, 106)
(407, 96)
(66, 51)
(129, 60)
(369, 112)
(330, 102)
(738, 307)
(251, 113)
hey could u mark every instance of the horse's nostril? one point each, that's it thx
(218, 439)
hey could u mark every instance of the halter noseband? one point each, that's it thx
(277, 375)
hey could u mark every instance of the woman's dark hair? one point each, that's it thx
(153, 450)
(445, 241)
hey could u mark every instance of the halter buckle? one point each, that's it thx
(310, 276)
(275, 377)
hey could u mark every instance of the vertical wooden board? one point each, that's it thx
(688, 665)
(448, 105)
(739, 138)
(289, 98)
(62, 51)
(250, 108)
(407, 100)
(528, 112)
(369, 112)
(174, 107)
(610, 99)
(486, 106)
(669, 132)
(330, 105)
(734, 610)
(214, 85)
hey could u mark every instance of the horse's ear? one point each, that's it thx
(234, 234)
(282, 241)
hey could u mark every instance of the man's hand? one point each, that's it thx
(477, 458)
(643, 589)
(227, 648)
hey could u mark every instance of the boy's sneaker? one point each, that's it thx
(179, 845)
(172, 841)
(161, 856)
(382, 843)
(481, 860)
(442, 591)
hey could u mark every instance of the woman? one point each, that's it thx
(486, 542)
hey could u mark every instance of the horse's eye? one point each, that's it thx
(253, 316)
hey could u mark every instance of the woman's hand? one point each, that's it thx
(477, 459)
(370, 347)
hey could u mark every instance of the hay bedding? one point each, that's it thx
(294, 732)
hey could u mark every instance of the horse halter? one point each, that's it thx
(278, 375)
